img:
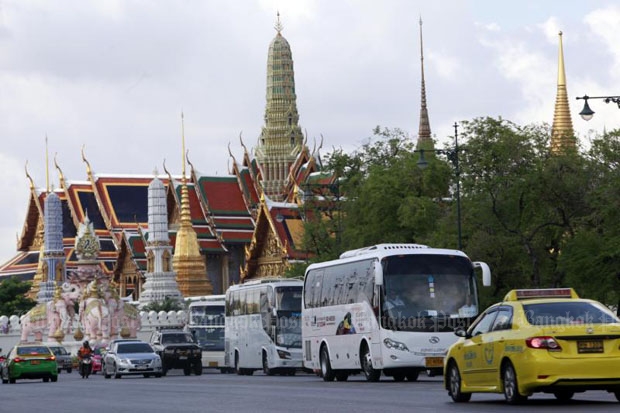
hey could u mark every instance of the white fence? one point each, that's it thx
(10, 327)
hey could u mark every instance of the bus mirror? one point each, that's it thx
(486, 273)
(378, 273)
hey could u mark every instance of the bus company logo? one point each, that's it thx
(434, 340)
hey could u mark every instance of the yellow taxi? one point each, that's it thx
(543, 340)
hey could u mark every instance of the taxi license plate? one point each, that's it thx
(182, 357)
(213, 364)
(143, 367)
(590, 346)
(434, 362)
(35, 361)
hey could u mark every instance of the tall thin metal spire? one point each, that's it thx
(183, 145)
(424, 132)
(562, 133)
(47, 167)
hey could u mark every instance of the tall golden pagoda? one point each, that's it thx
(424, 132)
(187, 261)
(562, 133)
(281, 139)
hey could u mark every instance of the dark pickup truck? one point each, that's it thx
(177, 350)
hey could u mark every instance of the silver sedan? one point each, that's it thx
(131, 358)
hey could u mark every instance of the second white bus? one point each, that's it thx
(206, 323)
(263, 326)
(389, 308)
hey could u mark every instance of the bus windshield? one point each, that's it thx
(206, 315)
(420, 289)
(209, 338)
(288, 329)
(289, 298)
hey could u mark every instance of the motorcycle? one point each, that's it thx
(86, 366)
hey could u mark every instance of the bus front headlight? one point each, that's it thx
(396, 345)
(284, 354)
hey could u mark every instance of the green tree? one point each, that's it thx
(13, 300)
(521, 204)
(167, 304)
(591, 258)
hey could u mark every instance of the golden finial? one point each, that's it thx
(89, 171)
(278, 25)
(47, 166)
(60, 174)
(191, 166)
(29, 177)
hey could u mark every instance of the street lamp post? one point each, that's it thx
(587, 113)
(453, 156)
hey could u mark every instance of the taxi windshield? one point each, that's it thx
(568, 312)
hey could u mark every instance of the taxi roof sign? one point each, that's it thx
(531, 294)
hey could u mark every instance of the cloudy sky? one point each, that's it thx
(115, 75)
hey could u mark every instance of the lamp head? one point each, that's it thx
(422, 163)
(586, 113)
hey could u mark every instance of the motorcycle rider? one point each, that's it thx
(85, 352)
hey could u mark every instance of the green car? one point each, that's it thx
(29, 361)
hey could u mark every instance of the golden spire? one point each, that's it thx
(188, 262)
(278, 26)
(562, 133)
(424, 132)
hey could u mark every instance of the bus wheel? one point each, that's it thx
(369, 371)
(413, 375)
(266, 368)
(326, 367)
(238, 370)
(398, 376)
(342, 376)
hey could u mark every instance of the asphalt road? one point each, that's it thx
(215, 392)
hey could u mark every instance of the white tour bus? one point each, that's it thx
(263, 326)
(206, 323)
(388, 308)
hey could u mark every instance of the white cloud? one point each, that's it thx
(604, 24)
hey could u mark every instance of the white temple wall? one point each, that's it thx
(10, 328)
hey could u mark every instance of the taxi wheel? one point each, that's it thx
(564, 395)
(511, 386)
(454, 377)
